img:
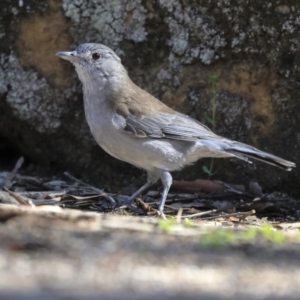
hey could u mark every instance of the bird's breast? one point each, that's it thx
(107, 128)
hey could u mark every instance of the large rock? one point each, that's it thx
(173, 49)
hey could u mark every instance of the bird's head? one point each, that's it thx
(95, 62)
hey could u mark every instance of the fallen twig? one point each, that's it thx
(21, 200)
(237, 214)
(97, 190)
(12, 174)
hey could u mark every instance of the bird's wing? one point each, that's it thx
(165, 125)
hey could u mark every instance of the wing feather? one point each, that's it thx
(169, 126)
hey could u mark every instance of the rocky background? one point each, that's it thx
(246, 52)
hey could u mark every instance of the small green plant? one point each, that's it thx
(219, 238)
(213, 80)
(169, 224)
(188, 222)
(225, 237)
(166, 225)
(249, 235)
(276, 237)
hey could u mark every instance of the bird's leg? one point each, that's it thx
(128, 201)
(152, 177)
(139, 191)
(166, 179)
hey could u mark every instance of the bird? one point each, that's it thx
(133, 126)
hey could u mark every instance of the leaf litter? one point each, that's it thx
(203, 203)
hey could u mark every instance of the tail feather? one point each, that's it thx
(244, 151)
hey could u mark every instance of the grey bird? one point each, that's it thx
(135, 127)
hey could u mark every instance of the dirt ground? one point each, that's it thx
(238, 248)
(94, 256)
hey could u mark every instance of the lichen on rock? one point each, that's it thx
(194, 34)
(107, 21)
(28, 95)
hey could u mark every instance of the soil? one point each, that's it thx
(49, 251)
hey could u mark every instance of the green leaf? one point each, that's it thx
(210, 120)
(213, 91)
(214, 78)
(206, 170)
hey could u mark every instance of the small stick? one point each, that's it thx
(201, 213)
(233, 190)
(238, 215)
(91, 187)
(21, 200)
(179, 215)
(40, 195)
(145, 206)
(13, 173)
(209, 212)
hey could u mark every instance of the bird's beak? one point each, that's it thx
(68, 55)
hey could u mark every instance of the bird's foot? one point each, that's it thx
(127, 201)
(161, 214)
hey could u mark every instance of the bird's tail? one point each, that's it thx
(244, 152)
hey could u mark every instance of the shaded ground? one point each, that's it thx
(42, 257)
(49, 251)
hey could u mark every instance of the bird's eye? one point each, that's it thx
(96, 56)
